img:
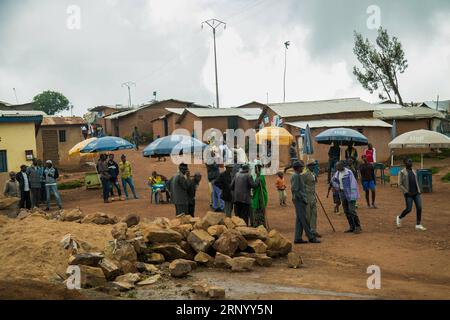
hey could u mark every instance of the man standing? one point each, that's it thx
(35, 183)
(300, 200)
(351, 152)
(310, 189)
(293, 155)
(334, 155)
(136, 137)
(192, 190)
(241, 187)
(179, 190)
(224, 184)
(12, 187)
(371, 154)
(24, 186)
(51, 174)
(105, 178)
(368, 180)
(344, 181)
(126, 176)
(408, 183)
(113, 168)
(84, 131)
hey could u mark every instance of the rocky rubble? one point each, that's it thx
(145, 253)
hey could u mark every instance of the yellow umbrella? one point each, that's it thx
(75, 151)
(271, 133)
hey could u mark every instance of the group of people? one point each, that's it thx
(34, 185)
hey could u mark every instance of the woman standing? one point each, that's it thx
(105, 177)
(259, 198)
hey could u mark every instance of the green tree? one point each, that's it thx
(51, 102)
(381, 64)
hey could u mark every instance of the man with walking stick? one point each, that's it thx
(310, 188)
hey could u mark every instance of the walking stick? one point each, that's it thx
(326, 215)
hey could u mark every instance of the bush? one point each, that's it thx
(74, 184)
(146, 137)
(434, 170)
(446, 178)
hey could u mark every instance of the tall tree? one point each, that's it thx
(51, 102)
(381, 64)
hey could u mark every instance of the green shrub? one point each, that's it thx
(74, 184)
(446, 178)
(434, 170)
(146, 137)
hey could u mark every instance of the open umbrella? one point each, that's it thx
(173, 144)
(107, 144)
(272, 133)
(342, 136)
(75, 151)
(420, 139)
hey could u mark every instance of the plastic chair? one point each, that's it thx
(393, 172)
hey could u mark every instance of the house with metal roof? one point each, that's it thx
(442, 106)
(56, 136)
(17, 139)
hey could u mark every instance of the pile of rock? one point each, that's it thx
(143, 253)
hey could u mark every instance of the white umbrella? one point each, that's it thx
(420, 139)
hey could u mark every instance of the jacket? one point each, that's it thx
(125, 169)
(310, 186)
(51, 174)
(224, 184)
(34, 177)
(298, 189)
(241, 186)
(113, 169)
(12, 189)
(260, 196)
(179, 188)
(403, 181)
(351, 191)
(213, 171)
(20, 179)
(103, 170)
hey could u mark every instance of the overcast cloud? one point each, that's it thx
(159, 44)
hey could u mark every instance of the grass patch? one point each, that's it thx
(74, 184)
(434, 170)
(446, 178)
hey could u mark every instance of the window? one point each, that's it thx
(62, 135)
(3, 161)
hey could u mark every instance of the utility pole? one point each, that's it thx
(214, 24)
(128, 85)
(15, 94)
(286, 44)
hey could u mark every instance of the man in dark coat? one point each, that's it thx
(224, 184)
(25, 189)
(179, 190)
(192, 190)
(241, 187)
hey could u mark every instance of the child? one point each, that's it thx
(336, 198)
(281, 187)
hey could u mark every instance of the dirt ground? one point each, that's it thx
(414, 265)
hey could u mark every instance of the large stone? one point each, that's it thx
(180, 220)
(119, 231)
(111, 269)
(129, 278)
(86, 259)
(277, 244)
(204, 258)
(200, 240)
(150, 280)
(229, 242)
(213, 218)
(228, 222)
(262, 259)
(91, 277)
(190, 253)
(120, 250)
(69, 242)
(217, 230)
(160, 235)
(242, 264)
(257, 246)
(99, 218)
(23, 213)
(128, 267)
(72, 215)
(9, 202)
(238, 222)
(123, 286)
(146, 268)
(155, 258)
(179, 268)
(183, 229)
(170, 251)
(131, 220)
(252, 233)
(294, 260)
(222, 260)
(216, 292)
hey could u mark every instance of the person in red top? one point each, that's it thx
(371, 154)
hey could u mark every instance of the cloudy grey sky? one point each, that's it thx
(159, 44)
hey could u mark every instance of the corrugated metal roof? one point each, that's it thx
(337, 123)
(62, 121)
(443, 105)
(408, 113)
(245, 113)
(307, 108)
(175, 110)
(21, 113)
(123, 113)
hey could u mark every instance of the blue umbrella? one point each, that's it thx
(107, 144)
(342, 136)
(173, 144)
(307, 144)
